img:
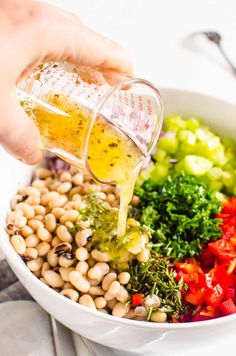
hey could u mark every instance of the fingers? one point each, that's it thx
(68, 39)
(18, 134)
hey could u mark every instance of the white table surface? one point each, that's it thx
(155, 32)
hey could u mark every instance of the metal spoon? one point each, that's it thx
(216, 38)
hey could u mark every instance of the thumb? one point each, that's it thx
(18, 133)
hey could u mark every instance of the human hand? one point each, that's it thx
(32, 32)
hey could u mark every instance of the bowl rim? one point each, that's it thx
(11, 255)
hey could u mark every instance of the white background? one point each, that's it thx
(155, 33)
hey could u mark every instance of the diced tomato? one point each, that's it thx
(232, 240)
(136, 299)
(228, 307)
(229, 206)
(199, 317)
(229, 294)
(196, 298)
(220, 276)
(209, 311)
(214, 295)
(207, 258)
(222, 249)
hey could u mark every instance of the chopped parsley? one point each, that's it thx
(180, 214)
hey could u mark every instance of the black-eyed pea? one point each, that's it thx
(110, 198)
(69, 225)
(89, 246)
(111, 303)
(33, 200)
(130, 315)
(43, 173)
(91, 262)
(58, 212)
(45, 198)
(52, 258)
(53, 279)
(76, 198)
(64, 187)
(104, 311)
(55, 241)
(103, 267)
(38, 217)
(79, 281)
(122, 295)
(82, 254)
(70, 215)
(81, 237)
(65, 177)
(120, 309)
(26, 231)
(152, 301)
(140, 311)
(43, 248)
(18, 244)
(44, 234)
(73, 191)
(77, 179)
(36, 264)
(124, 277)
(85, 223)
(66, 260)
(143, 256)
(95, 272)
(159, 317)
(38, 183)
(39, 210)
(30, 254)
(68, 285)
(106, 188)
(77, 204)
(63, 234)
(57, 202)
(100, 256)
(35, 224)
(20, 221)
(108, 279)
(96, 290)
(13, 215)
(50, 222)
(108, 296)
(32, 240)
(94, 282)
(71, 294)
(87, 301)
(28, 210)
(43, 190)
(13, 230)
(100, 302)
(30, 191)
(64, 272)
(69, 206)
(114, 288)
(37, 273)
(82, 267)
(15, 200)
(45, 267)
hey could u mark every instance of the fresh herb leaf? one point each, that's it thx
(157, 276)
(180, 213)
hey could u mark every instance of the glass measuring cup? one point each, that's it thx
(106, 129)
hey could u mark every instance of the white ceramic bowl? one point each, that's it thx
(122, 334)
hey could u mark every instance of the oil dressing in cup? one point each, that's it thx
(109, 131)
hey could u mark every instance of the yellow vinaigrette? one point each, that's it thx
(111, 155)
